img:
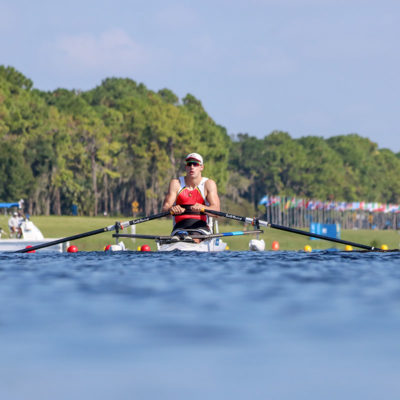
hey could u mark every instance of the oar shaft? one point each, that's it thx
(141, 220)
(235, 233)
(210, 236)
(287, 229)
(63, 240)
(317, 236)
(95, 232)
(137, 236)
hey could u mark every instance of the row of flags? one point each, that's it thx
(307, 204)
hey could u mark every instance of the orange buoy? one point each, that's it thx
(72, 249)
(275, 245)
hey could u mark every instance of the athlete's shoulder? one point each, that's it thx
(211, 187)
(209, 182)
(174, 184)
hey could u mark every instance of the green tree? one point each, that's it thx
(357, 154)
(15, 174)
(323, 176)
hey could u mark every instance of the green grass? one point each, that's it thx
(58, 227)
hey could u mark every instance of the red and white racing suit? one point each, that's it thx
(190, 197)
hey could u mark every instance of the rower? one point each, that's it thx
(187, 196)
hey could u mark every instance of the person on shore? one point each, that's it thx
(188, 195)
(14, 225)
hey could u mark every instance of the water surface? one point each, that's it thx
(233, 325)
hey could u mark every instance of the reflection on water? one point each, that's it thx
(281, 325)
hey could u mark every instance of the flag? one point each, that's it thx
(265, 201)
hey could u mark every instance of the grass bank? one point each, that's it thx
(58, 227)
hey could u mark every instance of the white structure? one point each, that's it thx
(31, 236)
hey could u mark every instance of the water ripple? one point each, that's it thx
(219, 310)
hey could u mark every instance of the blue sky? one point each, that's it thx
(307, 67)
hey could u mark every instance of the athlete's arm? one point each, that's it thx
(170, 198)
(211, 196)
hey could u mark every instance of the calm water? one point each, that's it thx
(235, 325)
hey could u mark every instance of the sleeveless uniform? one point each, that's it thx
(197, 222)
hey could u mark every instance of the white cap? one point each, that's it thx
(195, 157)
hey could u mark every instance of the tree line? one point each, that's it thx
(120, 142)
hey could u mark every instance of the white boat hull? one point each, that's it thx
(18, 244)
(210, 245)
(31, 236)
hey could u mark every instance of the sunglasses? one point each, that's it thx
(190, 163)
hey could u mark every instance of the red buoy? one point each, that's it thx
(106, 248)
(72, 249)
(145, 247)
(30, 251)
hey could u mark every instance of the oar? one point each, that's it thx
(117, 225)
(285, 228)
(210, 236)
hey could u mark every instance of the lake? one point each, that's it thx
(231, 325)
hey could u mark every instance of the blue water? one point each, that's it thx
(234, 325)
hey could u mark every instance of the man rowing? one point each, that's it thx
(188, 195)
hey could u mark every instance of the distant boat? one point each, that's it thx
(31, 235)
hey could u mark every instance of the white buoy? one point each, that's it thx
(117, 247)
(256, 245)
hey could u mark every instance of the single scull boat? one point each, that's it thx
(186, 241)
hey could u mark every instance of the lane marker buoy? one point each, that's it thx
(30, 251)
(275, 245)
(72, 249)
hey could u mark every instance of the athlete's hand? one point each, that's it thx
(176, 210)
(197, 207)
